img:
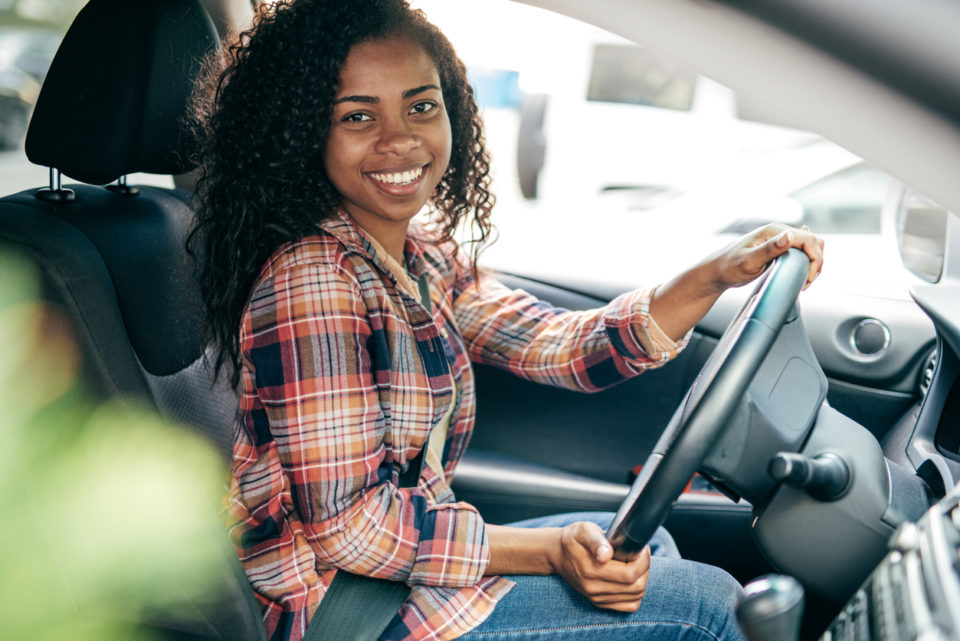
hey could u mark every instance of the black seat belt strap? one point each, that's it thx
(356, 608)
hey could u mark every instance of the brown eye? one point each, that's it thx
(357, 117)
(423, 107)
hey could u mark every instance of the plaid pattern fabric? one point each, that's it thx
(343, 376)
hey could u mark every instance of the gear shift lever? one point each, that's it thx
(770, 609)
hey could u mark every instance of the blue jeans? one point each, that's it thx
(684, 600)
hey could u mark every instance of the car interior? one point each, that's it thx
(828, 450)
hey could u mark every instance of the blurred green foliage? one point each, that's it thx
(107, 512)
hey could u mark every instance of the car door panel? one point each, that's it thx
(571, 441)
(601, 435)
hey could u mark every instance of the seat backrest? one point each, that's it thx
(113, 103)
(113, 259)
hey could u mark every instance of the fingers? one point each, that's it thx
(602, 566)
(591, 537)
(616, 595)
(752, 253)
(804, 239)
(812, 245)
(777, 245)
(629, 605)
(589, 567)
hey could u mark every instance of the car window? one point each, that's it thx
(30, 31)
(847, 201)
(584, 124)
(608, 150)
(922, 231)
(637, 76)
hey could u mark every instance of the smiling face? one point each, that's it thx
(389, 142)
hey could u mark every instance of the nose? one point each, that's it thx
(397, 138)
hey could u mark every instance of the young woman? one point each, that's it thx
(351, 328)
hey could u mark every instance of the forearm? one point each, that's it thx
(522, 550)
(587, 350)
(678, 305)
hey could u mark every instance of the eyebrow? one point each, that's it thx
(373, 99)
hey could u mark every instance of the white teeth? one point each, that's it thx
(400, 177)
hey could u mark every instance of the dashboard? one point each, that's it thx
(929, 437)
(914, 593)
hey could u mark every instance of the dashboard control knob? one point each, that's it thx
(826, 477)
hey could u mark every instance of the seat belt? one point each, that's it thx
(356, 607)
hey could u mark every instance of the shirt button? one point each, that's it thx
(443, 332)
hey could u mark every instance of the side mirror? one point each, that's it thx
(921, 226)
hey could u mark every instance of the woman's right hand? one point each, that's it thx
(584, 559)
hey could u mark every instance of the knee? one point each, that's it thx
(720, 586)
(701, 596)
(719, 596)
(662, 544)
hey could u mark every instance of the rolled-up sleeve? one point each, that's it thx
(585, 350)
(634, 332)
(313, 348)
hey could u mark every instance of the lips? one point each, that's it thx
(399, 182)
(398, 177)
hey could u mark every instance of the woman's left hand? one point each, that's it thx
(747, 258)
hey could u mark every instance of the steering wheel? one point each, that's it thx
(699, 421)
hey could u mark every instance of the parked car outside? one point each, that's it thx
(25, 55)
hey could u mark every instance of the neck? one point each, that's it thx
(393, 246)
(390, 235)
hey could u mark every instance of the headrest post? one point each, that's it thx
(121, 187)
(55, 192)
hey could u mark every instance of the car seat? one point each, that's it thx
(112, 258)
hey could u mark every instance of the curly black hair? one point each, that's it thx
(263, 114)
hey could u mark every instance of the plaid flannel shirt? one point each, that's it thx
(343, 376)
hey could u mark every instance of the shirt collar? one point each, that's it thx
(342, 227)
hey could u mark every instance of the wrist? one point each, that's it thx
(711, 277)
(524, 550)
(554, 550)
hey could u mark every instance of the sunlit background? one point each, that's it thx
(613, 158)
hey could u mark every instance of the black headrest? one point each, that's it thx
(114, 99)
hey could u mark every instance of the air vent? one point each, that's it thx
(926, 375)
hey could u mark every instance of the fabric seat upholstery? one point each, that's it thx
(114, 260)
(114, 103)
